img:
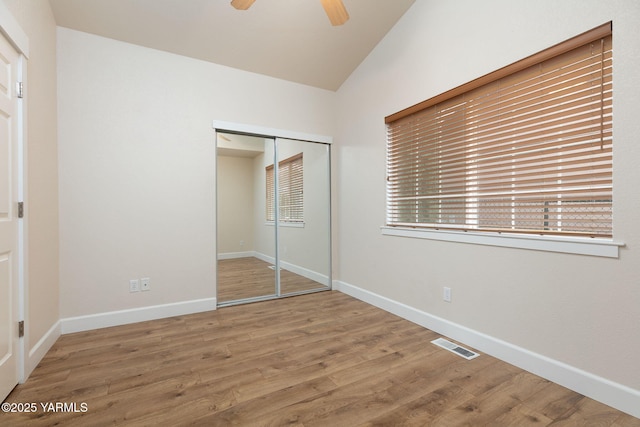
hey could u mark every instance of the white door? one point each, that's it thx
(9, 340)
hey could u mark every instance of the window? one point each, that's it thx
(290, 191)
(526, 149)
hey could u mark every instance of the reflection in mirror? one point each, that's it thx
(264, 205)
(244, 269)
(304, 216)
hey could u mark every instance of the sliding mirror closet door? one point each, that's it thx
(273, 216)
(245, 241)
(303, 216)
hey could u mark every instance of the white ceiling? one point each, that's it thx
(286, 39)
(237, 145)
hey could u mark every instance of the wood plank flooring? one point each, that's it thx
(322, 359)
(251, 277)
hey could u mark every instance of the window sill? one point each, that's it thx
(568, 245)
(286, 224)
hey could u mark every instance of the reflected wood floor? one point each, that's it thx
(322, 359)
(251, 277)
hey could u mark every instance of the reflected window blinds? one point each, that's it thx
(290, 191)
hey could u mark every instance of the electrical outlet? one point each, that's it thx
(134, 285)
(446, 294)
(145, 284)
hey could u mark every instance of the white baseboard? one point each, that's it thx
(601, 389)
(233, 255)
(123, 317)
(300, 271)
(38, 351)
(305, 272)
(264, 257)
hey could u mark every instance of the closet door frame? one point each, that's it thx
(276, 134)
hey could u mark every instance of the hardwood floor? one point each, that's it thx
(251, 277)
(322, 359)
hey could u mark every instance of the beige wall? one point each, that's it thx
(581, 311)
(41, 204)
(137, 166)
(235, 204)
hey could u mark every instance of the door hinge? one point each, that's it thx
(20, 90)
(21, 329)
(20, 209)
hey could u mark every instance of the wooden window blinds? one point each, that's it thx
(290, 190)
(527, 148)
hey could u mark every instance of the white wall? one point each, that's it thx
(235, 204)
(582, 311)
(136, 156)
(265, 235)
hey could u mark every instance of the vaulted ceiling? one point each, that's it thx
(287, 39)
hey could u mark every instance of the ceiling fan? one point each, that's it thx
(335, 9)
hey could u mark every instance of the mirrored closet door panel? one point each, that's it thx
(245, 243)
(303, 216)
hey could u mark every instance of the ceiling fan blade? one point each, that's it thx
(336, 11)
(242, 4)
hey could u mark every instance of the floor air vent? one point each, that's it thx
(455, 348)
